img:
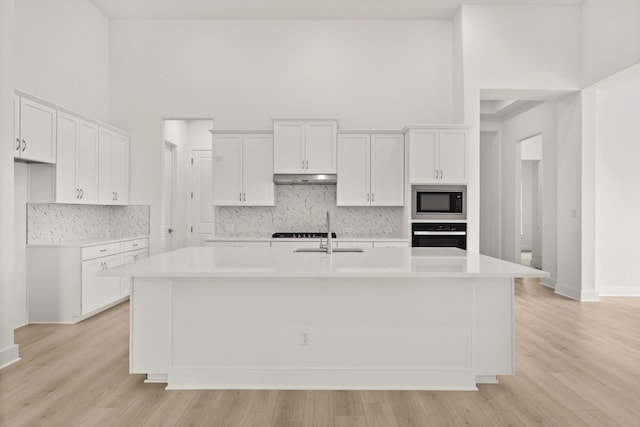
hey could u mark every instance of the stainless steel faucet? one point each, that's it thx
(329, 237)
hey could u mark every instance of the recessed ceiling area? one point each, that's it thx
(295, 9)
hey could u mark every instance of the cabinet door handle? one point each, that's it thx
(81, 193)
(303, 164)
(436, 172)
(244, 197)
(372, 196)
(103, 250)
(116, 195)
(77, 193)
(240, 196)
(367, 197)
(24, 145)
(18, 146)
(306, 164)
(441, 174)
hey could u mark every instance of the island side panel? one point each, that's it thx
(362, 333)
(150, 327)
(494, 339)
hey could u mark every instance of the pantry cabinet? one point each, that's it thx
(370, 170)
(77, 166)
(64, 285)
(304, 146)
(34, 131)
(437, 156)
(243, 169)
(113, 168)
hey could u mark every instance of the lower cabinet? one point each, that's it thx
(63, 283)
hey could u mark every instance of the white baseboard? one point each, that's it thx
(320, 379)
(576, 294)
(548, 282)
(617, 291)
(487, 379)
(9, 356)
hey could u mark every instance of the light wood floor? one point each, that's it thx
(577, 364)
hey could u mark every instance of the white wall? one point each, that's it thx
(62, 54)
(527, 205)
(369, 74)
(617, 199)
(8, 348)
(527, 48)
(610, 37)
(21, 194)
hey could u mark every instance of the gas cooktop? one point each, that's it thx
(302, 235)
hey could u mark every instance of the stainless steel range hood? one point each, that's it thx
(304, 179)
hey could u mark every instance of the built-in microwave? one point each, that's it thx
(439, 202)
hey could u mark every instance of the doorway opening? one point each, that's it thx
(530, 184)
(187, 207)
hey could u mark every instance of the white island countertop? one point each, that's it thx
(270, 262)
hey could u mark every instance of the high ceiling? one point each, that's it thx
(296, 9)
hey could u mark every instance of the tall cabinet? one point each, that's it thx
(113, 168)
(77, 160)
(437, 155)
(370, 169)
(243, 168)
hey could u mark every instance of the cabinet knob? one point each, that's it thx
(244, 197)
(18, 145)
(372, 196)
(367, 197)
(116, 195)
(81, 193)
(77, 193)
(24, 145)
(441, 174)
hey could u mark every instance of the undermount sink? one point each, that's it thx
(324, 250)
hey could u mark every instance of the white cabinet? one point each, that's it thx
(63, 283)
(35, 131)
(370, 170)
(437, 155)
(243, 169)
(304, 146)
(77, 166)
(113, 168)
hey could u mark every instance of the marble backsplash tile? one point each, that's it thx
(303, 208)
(47, 222)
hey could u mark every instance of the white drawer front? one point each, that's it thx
(97, 251)
(134, 245)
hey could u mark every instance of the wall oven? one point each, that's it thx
(439, 202)
(438, 234)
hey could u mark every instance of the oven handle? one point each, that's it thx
(439, 233)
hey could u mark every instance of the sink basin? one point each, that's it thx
(323, 250)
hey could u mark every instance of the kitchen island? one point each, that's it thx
(272, 318)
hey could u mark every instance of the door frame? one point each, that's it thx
(173, 180)
(517, 255)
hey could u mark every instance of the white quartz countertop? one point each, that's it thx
(269, 262)
(336, 239)
(94, 241)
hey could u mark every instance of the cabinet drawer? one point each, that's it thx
(133, 245)
(91, 252)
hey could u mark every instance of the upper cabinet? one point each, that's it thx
(437, 156)
(304, 146)
(243, 169)
(113, 168)
(34, 131)
(77, 165)
(370, 170)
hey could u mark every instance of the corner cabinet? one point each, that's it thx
(437, 155)
(370, 170)
(304, 146)
(63, 283)
(243, 169)
(34, 131)
(113, 168)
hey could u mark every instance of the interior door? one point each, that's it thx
(202, 226)
(167, 198)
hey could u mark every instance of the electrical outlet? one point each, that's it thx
(304, 337)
